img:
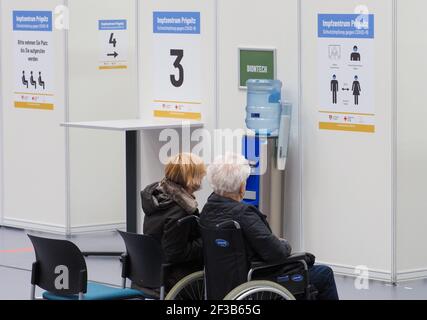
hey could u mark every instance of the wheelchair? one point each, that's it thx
(227, 275)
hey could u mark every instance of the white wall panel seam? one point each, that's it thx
(67, 130)
(299, 144)
(216, 103)
(218, 67)
(1, 123)
(137, 24)
(139, 219)
(394, 147)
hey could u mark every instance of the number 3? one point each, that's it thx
(179, 54)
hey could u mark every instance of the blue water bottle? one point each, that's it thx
(264, 108)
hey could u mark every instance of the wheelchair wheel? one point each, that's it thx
(260, 290)
(192, 287)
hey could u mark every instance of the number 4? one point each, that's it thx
(179, 54)
(113, 40)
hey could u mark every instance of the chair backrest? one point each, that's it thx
(60, 267)
(144, 260)
(226, 265)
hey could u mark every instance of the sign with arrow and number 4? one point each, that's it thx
(114, 44)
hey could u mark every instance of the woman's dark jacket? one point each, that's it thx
(261, 243)
(164, 204)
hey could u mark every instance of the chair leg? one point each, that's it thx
(123, 283)
(33, 292)
(162, 293)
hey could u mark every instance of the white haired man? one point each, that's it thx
(227, 175)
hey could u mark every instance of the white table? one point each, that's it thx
(134, 125)
(131, 128)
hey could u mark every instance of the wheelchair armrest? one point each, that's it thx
(295, 258)
(257, 265)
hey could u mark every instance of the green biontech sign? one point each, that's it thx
(256, 64)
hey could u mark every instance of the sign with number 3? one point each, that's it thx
(177, 65)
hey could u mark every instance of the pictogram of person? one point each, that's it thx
(334, 89)
(356, 90)
(355, 55)
(24, 80)
(32, 81)
(41, 82)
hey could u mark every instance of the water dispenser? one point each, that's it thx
(264, 108)
(267, 148)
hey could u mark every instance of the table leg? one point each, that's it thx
(131, 181)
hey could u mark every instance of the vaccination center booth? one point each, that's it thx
(94, 94)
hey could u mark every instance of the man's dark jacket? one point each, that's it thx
(261, 243)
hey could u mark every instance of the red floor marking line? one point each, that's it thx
(21, 250)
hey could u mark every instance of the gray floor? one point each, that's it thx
(16, 257)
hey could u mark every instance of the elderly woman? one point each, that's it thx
(227, 176)
(166, 202)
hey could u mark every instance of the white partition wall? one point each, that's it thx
(56, 179)
(33, 143)
(262, 24)
(1, 125)
(363, 193)
(411, 140)
(99, 90)
(151, 47)
(347, 176)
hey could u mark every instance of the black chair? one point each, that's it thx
(143, 263)
(61, 270)
(227, 273)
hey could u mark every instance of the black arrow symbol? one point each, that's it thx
(345, 89)
(115, 54)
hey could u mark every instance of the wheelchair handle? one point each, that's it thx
(225, 224)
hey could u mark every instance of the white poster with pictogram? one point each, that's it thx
(346, 72)
(33, 52)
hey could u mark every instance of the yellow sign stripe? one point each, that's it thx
(112, 67)
(349, 113)
(178, 115)
(183, 102)
(34, 105)
(347, 127)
